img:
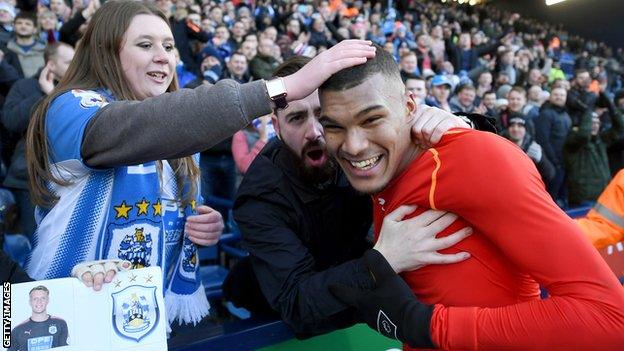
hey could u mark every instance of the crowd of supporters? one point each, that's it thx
(557, 96)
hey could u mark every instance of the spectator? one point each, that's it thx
(535, 98)
(489, 102)
(585, 154)
(48, 27)
(552, 128)
(7, 16)
(237, 68)
(417, 86)
(24, 51)
(408, 64)
(463, 101)
(61, 9)
(249, 49)
(73, 28)
(222, 42)
(484, 84)
(516, 107)
(440, 92)
(517, 133)
(319, 37)
(463, 56)
(263, 64)
(580, 99)
(19, 103)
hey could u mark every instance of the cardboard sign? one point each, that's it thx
(63, 314)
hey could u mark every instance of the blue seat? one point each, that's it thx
(18, 247)
(578, 211)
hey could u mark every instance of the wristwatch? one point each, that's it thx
(277, 92)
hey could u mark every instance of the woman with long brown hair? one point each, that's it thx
(110, 152)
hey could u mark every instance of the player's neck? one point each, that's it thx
(410, 155)
(40, 317)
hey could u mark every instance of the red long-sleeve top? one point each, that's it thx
(520, 239)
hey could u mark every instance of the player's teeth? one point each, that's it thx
(365, 163)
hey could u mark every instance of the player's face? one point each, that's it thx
(147, 56)
(367, 129)
(299, 128)
(39, 301)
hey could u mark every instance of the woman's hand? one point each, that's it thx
(345, 54)
(95, 273)
(205, 227)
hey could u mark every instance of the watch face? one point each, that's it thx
(275, 88)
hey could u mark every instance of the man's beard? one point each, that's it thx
(310, 174)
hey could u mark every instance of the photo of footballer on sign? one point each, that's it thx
(64, 314)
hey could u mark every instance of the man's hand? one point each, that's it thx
(535, 152)
(411, 244)
(91, 273)
(391, 308)
(46, 80)
(430, 123)
(205, 228)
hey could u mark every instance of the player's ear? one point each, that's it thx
(410, 105)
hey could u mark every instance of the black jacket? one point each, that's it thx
(302, 238)
(183, 33)
(18, 106)
(552, 128)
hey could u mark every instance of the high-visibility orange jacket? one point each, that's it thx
(604, 224)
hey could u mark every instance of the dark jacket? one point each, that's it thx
(183, 33)
(68, 33)
(15, 117)
(552, 127)
(585, 157)
(578, 102)
(302, 238)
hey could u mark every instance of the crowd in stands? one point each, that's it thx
(557, 96)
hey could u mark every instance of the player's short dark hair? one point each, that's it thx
(580, 71)
(290, 66)
(351, 77)
(39, 288)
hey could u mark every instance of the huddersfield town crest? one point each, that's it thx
(135, 312)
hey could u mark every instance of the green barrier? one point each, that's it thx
(356, 338)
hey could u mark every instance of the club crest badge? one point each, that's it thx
(136, 248)
(89, 99)
(52, 329)
(135, 312)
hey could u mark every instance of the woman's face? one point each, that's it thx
(147, 56)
